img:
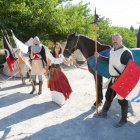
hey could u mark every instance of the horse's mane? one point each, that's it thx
(90, 41)
(85, 37)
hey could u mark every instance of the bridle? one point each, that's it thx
(75, 46)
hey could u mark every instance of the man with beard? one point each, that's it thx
(119, 57)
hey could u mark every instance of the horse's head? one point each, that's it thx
(71, 46)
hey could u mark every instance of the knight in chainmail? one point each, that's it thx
(37, 55)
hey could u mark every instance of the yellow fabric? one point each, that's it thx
(20, 59)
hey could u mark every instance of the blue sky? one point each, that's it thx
(121, 12)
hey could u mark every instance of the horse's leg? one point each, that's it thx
(99, 90)
(100, 84)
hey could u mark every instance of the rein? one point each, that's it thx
(77, 66)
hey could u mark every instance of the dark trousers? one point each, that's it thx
(110, 94)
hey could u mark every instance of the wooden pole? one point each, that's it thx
(16, 62)
(96, 20)
(96, 72)
(30, 77)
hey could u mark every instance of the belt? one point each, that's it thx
(55, 66)
(37, 59)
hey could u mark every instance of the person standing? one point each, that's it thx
(58, 82)
(37, 55)
(119, 57)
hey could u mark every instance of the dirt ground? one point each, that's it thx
(32, 117)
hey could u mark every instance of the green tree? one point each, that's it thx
(129, 36)
(106, 30)
(45, 18)
(55, 19)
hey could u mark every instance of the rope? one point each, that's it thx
(77, 66)
(94, 65)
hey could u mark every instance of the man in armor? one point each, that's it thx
(37, 55)
(119, 57)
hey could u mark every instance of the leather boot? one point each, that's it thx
(123, 120)
(40, 87)
(33, 87)
(103, 113)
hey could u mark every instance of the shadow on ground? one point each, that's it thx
(25, 114)
(84, 128)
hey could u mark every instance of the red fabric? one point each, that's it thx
(128, 79)
(10, 58)
(10, 63)
(36, 55)
(59, 82)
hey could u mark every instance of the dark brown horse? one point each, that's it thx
(87, 47)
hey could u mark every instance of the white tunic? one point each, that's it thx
(115, 61)
(58, 60)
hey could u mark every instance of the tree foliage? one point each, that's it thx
(55, 19)
(45, 18)
(106, 30)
